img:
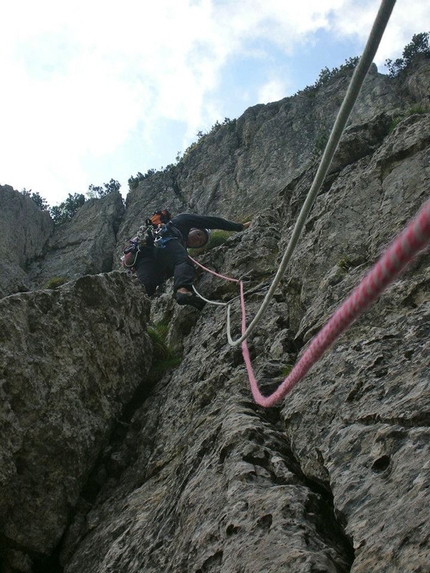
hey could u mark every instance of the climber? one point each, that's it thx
(154, 265)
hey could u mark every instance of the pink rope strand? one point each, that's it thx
(408, 244)
(213, 272)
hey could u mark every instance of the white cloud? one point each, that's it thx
(407, 19)
(273, 90)
(81, 80)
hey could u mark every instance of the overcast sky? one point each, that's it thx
(93, 90)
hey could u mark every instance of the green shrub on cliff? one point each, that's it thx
(98, 192)
(67, 209)
(418, 45)
(36, 198)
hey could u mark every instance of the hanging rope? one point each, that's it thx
(213, 272)
(357, 80)
(404, 248)
(408, 244)
(214, 302)
(219, 276)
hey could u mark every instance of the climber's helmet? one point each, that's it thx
(198, 238)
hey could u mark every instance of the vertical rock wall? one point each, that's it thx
(197, 478)
(333, 479)
(24, 232)
(70, 360)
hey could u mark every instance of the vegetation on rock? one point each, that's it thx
(418, 45)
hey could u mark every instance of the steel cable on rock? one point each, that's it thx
(353, 91)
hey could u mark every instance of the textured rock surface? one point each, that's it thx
(373, 389)
(84, 245)
(322, 482)
(24, 232)
(335, 478)
(242, 166)
(69, 363)
(33, 252)
(197, 478)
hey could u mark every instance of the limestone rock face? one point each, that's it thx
(70, 360)
(33, 252)
(102, 472)
(24, 232)
(333, 479)
(84, 245)
(237, 169)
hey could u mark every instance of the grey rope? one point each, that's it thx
(237, 297)
(207, 300)
(353, 91)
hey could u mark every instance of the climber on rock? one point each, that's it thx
(154, 265)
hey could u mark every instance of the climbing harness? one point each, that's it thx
(163, 234)
(132, 249)
(156, 232)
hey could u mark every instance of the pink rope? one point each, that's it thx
(408, 244)
(213, 272)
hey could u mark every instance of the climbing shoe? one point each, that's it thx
(190, 299)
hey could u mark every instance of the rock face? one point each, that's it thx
(334, 479)
(240, 168)
(69, 364)
(33, 252)
(84, 245)
(24, 231)
(103, 472)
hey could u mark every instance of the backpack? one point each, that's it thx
(147, 235)
(159, 218)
